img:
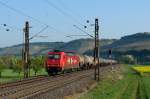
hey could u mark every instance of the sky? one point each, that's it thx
(117, 18)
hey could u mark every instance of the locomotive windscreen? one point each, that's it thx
(54, 56)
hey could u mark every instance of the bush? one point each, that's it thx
(37, 64)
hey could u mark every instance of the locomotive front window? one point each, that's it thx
(54, 56)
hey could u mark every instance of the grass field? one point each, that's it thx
(146, 81)
(131, 86)
(8, 75)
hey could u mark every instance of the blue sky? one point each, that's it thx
(117, 18)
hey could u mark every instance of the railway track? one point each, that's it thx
(22, 81)
(29, 88)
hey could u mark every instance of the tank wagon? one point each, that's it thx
(60, 61)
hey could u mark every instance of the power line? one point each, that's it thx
(67, 15)
(76, 35)
(68, 8)
(83, 31)
(70, 36)
(63, 12)
(26, 15)
(20, 12)
(38, 32)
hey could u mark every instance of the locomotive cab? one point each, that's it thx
(54, 62)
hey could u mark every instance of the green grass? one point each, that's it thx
(8, 75)
(132, 86)
(146, 83)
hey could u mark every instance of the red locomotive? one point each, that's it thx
(59, 61)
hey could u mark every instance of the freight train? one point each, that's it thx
(60, 61)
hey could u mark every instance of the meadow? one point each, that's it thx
(8, 75)
(131, 86)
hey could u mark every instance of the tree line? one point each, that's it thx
(16, 64)
(128, 57)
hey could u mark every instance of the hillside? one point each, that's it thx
(35, 48)
(83, 45)
(38, 48)
(138, 41)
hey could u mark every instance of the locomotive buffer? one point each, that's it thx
(96, 52)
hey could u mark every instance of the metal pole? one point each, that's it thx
(26, 50)
(96, 51)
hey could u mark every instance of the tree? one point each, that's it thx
(129, 59)
(36, 64)
(7, 61)
(2, 67)
(17, 65)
